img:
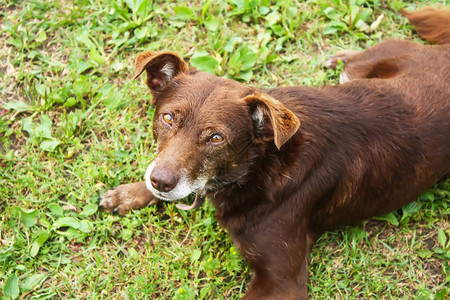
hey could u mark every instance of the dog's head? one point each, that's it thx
(207, 129)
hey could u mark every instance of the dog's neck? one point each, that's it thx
(241, 202)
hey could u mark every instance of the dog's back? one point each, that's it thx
(388, 132)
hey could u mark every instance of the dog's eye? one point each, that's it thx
(216, 139)
(168, 119)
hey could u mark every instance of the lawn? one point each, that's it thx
(73, 124)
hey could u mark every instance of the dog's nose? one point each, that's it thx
(163, 180)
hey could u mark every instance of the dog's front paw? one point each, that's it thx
(127, 197)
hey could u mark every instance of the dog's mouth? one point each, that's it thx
(183, 188)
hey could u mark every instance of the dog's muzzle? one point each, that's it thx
(166, 186)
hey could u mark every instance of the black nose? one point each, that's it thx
(163, 179)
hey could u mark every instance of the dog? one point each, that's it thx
(283, 165)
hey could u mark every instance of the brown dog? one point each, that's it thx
(283, 165)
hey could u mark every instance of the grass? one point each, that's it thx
(73, 124)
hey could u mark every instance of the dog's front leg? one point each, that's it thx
(280, 268)
(278, 286)
(127, 197)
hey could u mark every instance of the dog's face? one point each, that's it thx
(199, 139)
(207, 129)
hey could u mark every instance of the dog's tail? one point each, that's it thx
(431, 24)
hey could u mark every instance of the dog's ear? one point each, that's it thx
(271, 118)
(161, 68)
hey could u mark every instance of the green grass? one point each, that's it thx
(73, 124)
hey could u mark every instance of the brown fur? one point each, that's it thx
(297, 161)
(432, 24)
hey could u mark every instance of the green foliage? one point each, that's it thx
(347, 17)
(73, 124)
